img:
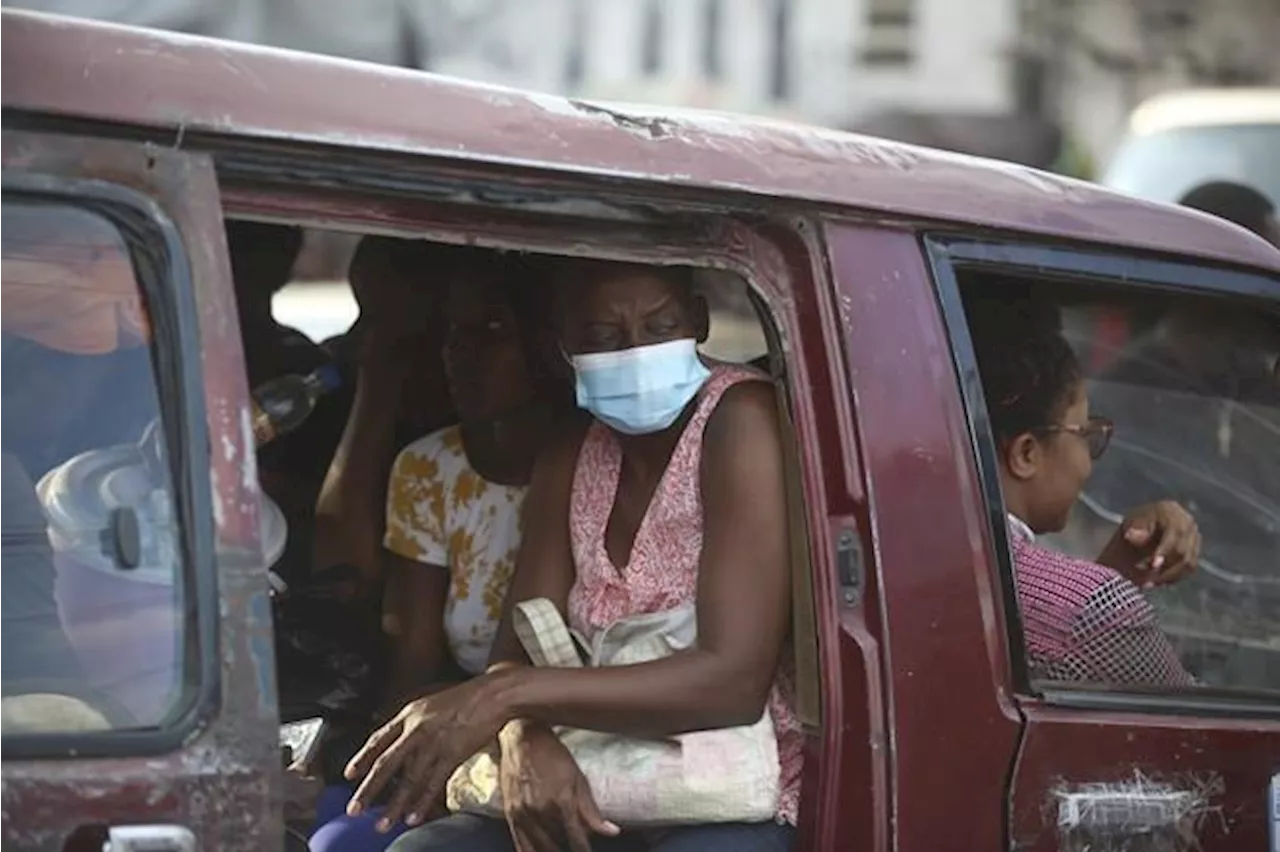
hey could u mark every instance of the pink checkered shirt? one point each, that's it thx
(1083, 622)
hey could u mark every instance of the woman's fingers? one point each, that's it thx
(589, 812)
(583, 818)
(428, 787)
(533, 832)
(1177, 549)
(521, 841)
(575, 830)
(407, 791)
(373, 748)
(380, 774)
(1182, 558)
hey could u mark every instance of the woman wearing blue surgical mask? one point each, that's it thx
(672, 493)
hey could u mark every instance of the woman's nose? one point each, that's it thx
(634, 335)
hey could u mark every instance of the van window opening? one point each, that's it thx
(407, 490)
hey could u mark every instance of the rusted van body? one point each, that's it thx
(926, 731)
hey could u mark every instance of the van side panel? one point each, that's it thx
(954, 729)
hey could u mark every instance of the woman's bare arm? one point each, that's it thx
(743, 599)
(349, 510)
(419, 649)
(544, 565)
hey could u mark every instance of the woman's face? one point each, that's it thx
(1049, 469)
(485, 356)
(626, 308)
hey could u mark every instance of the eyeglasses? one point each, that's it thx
(1096, 433)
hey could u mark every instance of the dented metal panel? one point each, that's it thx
(186, 85)
(1137, 814)
(1139, 778)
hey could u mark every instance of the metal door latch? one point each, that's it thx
(849, 565)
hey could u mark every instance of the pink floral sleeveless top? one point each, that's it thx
(663, 571)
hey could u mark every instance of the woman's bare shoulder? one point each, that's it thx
(747, 408)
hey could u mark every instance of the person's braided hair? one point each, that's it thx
(1028, 369)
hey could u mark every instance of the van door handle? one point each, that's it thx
(149, 838)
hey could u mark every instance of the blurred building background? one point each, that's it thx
(1044, 82)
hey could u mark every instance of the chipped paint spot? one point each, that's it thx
(553, 104)
(249, 466)
(262, 652)
(651, 127)
(219, 512)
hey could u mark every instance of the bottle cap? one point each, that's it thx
(328, 377)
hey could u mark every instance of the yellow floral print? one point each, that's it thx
(440, 512)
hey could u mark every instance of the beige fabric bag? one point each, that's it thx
(726, 775)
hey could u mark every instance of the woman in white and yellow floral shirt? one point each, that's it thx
(453, 504)
(454, 499)
(442, 514)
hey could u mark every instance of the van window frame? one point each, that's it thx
(948, 254)
(166, 285)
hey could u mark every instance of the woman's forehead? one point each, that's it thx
(483, 288)
(1079, 399)
(618, 290)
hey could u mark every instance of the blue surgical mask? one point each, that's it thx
(641, 390)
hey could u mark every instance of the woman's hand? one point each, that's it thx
(547, 799)
(395, 300)
(1156, 545)
(424, 743)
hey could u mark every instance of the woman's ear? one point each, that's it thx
(1022, 456)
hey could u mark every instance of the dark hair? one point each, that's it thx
(521, 281)
(1027, 367)
(378, 256)
(1234, 202)
(525, 282)
(262, 256)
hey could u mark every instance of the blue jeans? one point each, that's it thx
(470, 833)
(337, 832)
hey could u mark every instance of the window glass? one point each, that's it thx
(93, 598)
(1192, 390)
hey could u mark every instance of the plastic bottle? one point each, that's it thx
(282, 405)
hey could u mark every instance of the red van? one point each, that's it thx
(124, 152)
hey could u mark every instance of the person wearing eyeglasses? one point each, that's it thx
(1083, 621)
